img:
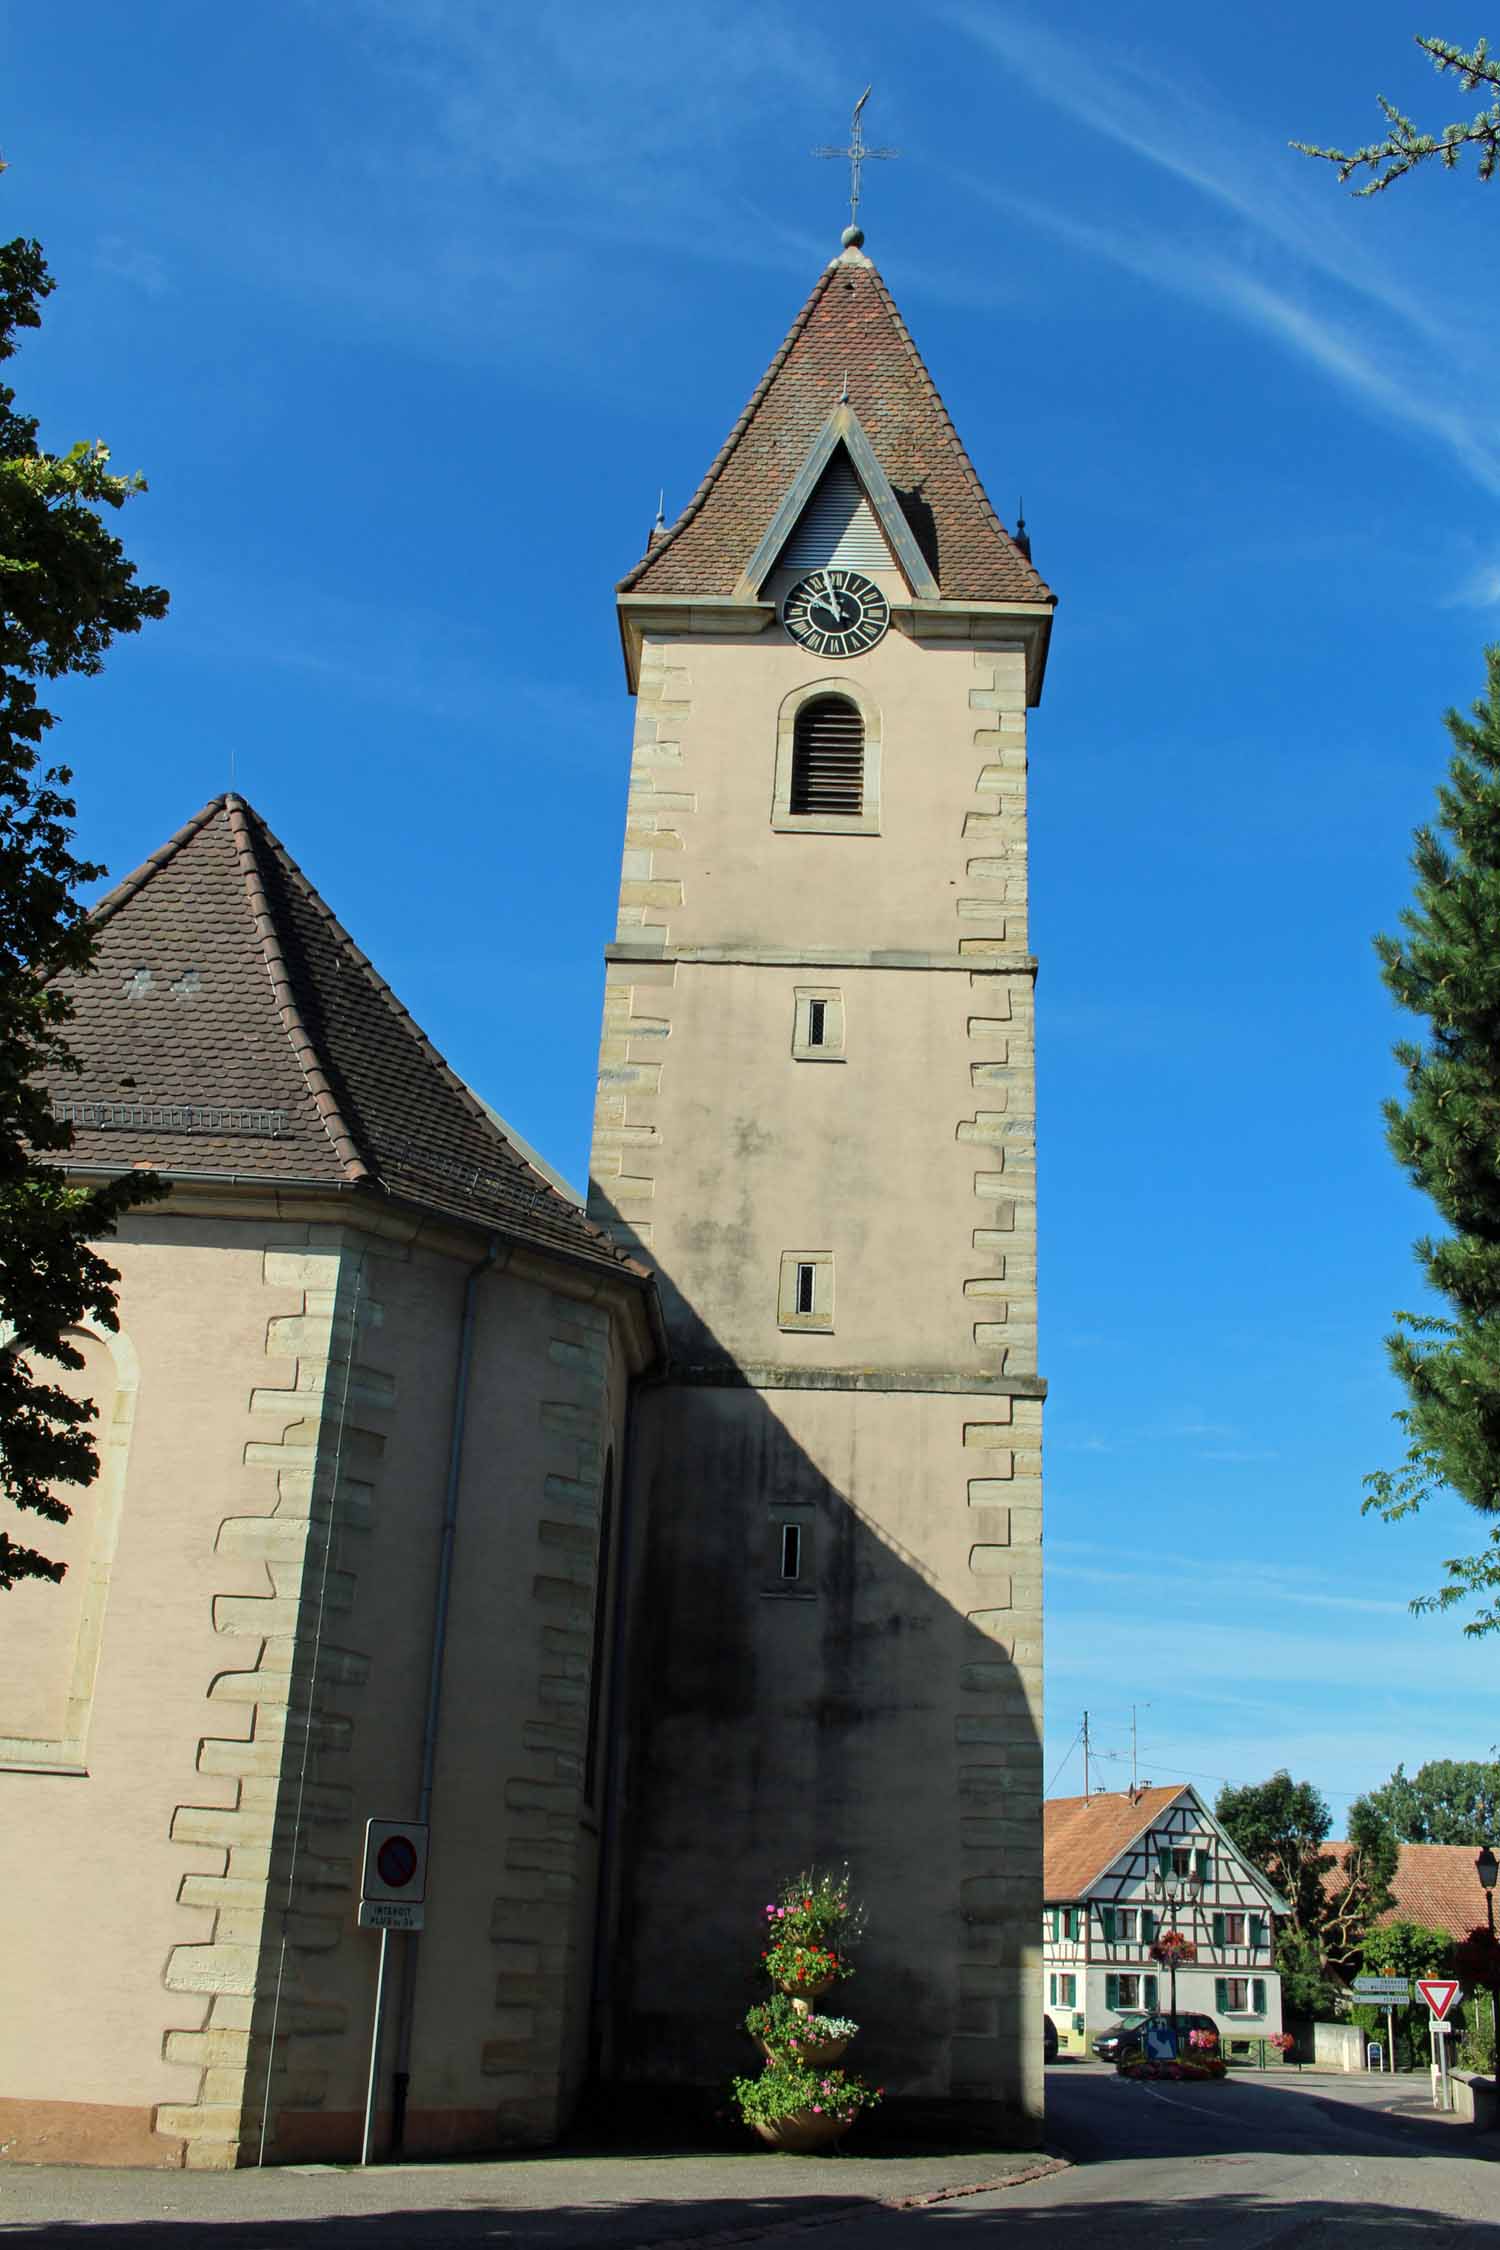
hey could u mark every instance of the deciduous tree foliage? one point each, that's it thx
(1445, 967)
(66, 589)
(1405, 147)
(1282, 1826)
(1446, 1801)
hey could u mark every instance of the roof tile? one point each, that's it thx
(848, 329)
(1082, 1836)
(232, 1026)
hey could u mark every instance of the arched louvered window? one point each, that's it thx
(828, 757)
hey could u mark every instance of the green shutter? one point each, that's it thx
(1164, 1860)
(1052, 1990)
(1052, 1923)
(1221, 1995)
(1150, 1991)
(1203, 1867)
(1107, 1923)
(1148, 1925)
(1258, 1994)
(1075, 1922)
(1218, 1933)
(1257, 1930)
(1112, 1993)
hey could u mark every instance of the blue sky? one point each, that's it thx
(409, 307)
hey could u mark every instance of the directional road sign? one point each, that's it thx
(1439, 1993)
(1384, 1992)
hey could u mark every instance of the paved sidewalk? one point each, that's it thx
(562, 2202)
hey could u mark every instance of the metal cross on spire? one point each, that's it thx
(857, 154)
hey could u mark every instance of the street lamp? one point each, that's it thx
(1487, 1867)
(1173, 1890)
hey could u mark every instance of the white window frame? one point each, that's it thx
(830, 1048)
(1128, 1976)
(1233, 1914)
(820, 1320)
(1124, 1915)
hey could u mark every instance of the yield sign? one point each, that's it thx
(1439, 1993)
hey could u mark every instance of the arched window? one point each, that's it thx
(828, 758)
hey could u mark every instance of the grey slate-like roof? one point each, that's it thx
(233, 1027)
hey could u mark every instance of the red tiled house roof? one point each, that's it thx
(233, 1029)
(849, 327)
(1082, 1836)
(1434, 1884)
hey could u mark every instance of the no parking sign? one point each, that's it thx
(394, 1884)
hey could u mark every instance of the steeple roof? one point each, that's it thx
(849, 328)
(231, 1027)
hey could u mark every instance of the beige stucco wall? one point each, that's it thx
(194, 1888)
(95, 1899)
(895, 1717)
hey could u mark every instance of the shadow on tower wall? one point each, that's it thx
(767, 1725)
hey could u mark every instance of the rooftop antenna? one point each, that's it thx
(1085, 1753)
(1023, 536)
(857, 154)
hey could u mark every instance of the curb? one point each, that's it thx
(838, 2213)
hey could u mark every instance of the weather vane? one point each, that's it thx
(857, 154)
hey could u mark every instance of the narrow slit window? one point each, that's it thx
(805, 1276)
(828, 758)
(817, 1016)
(791, 1550)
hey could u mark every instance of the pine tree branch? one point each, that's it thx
(1405, 147)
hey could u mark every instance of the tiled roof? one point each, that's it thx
(1434, 1884)
(849, 327)
(232, 1027)
(1082, 1836)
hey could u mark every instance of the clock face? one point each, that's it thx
(835, 613)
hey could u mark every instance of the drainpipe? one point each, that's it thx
(600, 2055)
(402, 2075)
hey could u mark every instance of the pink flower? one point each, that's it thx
(817, 2109)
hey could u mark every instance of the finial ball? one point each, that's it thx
(853, 238)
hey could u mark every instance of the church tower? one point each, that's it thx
(816, 1122)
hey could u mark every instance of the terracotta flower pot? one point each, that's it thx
(817, 2054)
(802, 1995)
(803, 2131)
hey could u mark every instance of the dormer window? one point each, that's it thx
(828, 758)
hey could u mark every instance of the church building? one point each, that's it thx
(648, 1552)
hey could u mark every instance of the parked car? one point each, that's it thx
(1049, 2040)
(1107, 2045)
(1124, 2037)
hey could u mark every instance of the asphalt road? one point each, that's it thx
(1253, 2163)
(1246, 2164)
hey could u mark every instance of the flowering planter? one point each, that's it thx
(803, 2131)
(816, 2053)
(802, 1995)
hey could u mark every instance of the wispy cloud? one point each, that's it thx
(133, 263)
(1393, 350)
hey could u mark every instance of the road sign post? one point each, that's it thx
(393, 1892)
(1439, 1994)
(1389, 1993)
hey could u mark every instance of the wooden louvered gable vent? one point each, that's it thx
(828, 757)
(837, 526)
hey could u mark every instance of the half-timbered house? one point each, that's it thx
(1121, 1869)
